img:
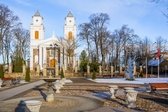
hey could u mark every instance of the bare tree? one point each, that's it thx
(84, 34)
(161, 44)
(95, 31)
(8, 21)
(69, 50)
(111, 49)
(124, 43)
(104, 44)
(98, 23)
(21, 42)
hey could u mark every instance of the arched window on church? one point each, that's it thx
(70, 36)
(36, 35)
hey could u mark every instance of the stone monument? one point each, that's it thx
(129, 70)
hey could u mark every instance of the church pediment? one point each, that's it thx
(49, 41)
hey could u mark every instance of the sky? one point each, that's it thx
(145, 17)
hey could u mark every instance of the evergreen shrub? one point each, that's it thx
(27, 77)
(1, 71)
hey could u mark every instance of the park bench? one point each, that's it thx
(158, 86)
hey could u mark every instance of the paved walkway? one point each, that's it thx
(6, 94)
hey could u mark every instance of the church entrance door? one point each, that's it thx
(53, 62)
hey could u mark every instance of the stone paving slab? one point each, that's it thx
(6, 94)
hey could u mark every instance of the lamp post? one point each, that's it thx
(54, 46)
(158, 56)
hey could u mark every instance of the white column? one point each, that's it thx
(40, 57)
(31, 58)
(44, 55)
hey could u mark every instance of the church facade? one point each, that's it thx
(51, 52)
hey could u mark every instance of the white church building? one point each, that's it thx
(50, 52)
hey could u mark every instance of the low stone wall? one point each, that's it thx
(13, 75)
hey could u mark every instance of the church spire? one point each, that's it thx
(37, 13)
(70, 14)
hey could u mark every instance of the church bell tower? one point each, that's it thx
(36, 35)
(70, 27)
(37, 27)
(70, 36)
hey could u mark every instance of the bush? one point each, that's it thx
(27, 77)
(83, 61)
(1, 71)
(94, 75)
(83, 67)
(18, 64)
(94, 66)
